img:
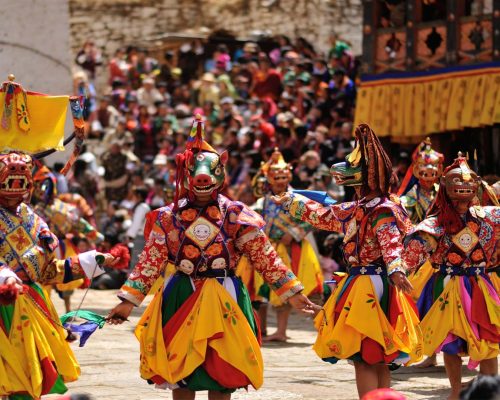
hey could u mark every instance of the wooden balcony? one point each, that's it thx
(394, 41)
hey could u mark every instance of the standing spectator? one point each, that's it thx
(145, 143)
(107, 114)
(135, 233)
(85, 89)
(89, 58)
(114, 162)
(118, 66)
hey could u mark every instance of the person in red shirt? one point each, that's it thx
(267, 80)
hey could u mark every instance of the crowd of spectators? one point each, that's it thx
(291, 96)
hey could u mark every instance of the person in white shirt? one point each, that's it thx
(135, 232)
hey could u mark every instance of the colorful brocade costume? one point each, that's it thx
(63, 219)
(366, 318)
(45, 361)
(417, 192)
(299, 255)
(417, 201)
(460, 304)
(35, 358)
(199, 332)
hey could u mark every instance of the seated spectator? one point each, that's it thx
(148, 95)
(115, 275)
(267, 81)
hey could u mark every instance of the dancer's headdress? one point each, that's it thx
(422, 156)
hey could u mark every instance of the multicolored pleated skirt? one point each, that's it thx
(201, 335)
(419, 279)
(35, 358)
(462, 314)
(368, 320)
(302, 261)
(494, 275)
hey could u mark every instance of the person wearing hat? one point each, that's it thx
(148, 95)
(64, 220)
(417, 192)
(226, 88)
(208, 89)
(199, 332)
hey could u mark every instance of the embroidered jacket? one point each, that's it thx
(200, 240)
(27, 250)
(64, 218)
(373, 230)
(279, 222)
(417, 201)
(474, 245)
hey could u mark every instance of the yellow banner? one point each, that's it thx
(409, 108)
(47, 116)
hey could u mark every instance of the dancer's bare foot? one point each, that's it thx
(453, 396)
(428, 362)
(275, 337)
(466, 384)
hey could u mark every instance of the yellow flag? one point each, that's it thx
(43, 127)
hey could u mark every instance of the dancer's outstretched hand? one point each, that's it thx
(401, 282)
(120, 313)
(281, 198)
(303, 304)
(11, 281)
(105, 259)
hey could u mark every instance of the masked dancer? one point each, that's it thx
(199, 332)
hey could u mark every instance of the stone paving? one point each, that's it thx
(110, 362)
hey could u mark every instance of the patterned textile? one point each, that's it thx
(417, 201)
(27, 248)
(207, 331)
(278, 222)
(35, 356)
(213, 237)
(201, 306)
(373, 230)
(461, 310)
(64, 218)
(365, 318)
(45, 130)
(299, 256)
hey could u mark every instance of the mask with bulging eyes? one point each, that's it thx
(206, 173)
(427, 164)
(16, 180)
(349, 172)
(461, 185)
